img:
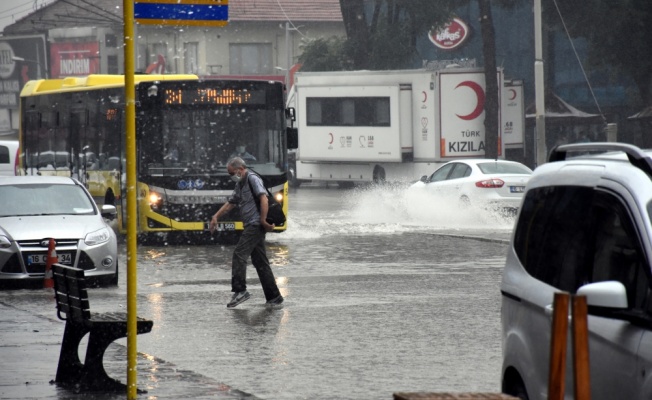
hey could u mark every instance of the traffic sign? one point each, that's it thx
(182, 12)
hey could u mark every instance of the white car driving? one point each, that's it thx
(492, 184)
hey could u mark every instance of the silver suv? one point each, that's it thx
(584, 227)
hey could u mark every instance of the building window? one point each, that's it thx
(110, 40)
(112, 65)
(190, 55)
(250, 59)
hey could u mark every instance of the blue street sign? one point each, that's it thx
(182, 12)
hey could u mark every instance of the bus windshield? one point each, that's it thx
(180, 141)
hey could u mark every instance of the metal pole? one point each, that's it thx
(132, 225)
(539, 88)
(287, 55)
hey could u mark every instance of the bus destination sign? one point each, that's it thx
(182, 96)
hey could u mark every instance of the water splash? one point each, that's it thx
(388, 209)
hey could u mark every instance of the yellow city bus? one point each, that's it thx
(186, 130)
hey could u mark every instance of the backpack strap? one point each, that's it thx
(251, 189)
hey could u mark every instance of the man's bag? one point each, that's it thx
(275, 214)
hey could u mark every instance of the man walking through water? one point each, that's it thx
(252, 239)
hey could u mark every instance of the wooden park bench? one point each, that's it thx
(73, 307)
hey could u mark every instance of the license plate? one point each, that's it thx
(516, 189)
(64, 258)
(222, 226)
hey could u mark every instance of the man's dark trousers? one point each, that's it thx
(252, 243)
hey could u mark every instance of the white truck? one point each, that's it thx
(375, 126)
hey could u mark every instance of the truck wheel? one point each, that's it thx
(292, 178)
(379, 175)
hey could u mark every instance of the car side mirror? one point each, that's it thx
(606, 294)
(108, 211)
(424, 179)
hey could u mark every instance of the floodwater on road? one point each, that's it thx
(381, 294)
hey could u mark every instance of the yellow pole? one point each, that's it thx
(132, 214)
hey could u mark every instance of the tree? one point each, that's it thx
(619, 37)
(381, 35)
(491, 107)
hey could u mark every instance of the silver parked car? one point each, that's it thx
(584, 228)
(36, 208)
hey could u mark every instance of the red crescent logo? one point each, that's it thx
(425, 96)
(479, 94)
(513, 92)
(331, 140)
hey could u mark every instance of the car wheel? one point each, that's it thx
(513, 385)
(114, 279)
(379, 175)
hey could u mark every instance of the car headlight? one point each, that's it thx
(97, 237)
(5, 243)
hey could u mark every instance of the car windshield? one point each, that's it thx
(44, 199)
(503, 168)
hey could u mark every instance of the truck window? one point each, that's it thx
(348, 111)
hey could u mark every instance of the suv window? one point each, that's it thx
(568, 236)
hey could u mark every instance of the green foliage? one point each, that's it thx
(619, 36)
(381, 34)
(324, 54)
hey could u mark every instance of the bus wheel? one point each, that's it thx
(379, 174)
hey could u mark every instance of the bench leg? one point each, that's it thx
(70, 367)
(94, 376)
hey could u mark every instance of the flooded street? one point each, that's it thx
(382, 295)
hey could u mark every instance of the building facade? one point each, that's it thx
(73, 38)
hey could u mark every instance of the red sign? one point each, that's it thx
(451, 36)
(74, 59)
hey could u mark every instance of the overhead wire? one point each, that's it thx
(586, 78)
(287, 18)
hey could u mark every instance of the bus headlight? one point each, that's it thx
(279, 197)
(155, 200)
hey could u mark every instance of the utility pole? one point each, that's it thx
(539, 87)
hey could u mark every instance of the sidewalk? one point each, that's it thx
(29, 350)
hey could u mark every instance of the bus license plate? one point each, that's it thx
(64, 258)
(517, 189)
(223, 226)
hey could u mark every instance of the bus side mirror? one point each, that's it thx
(292, 138)
(290, 113)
